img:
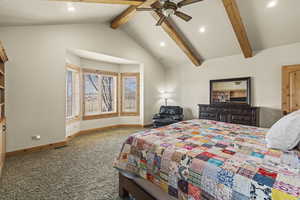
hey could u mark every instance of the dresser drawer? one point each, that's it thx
(241, 119)
(237, 114)
(210, 116)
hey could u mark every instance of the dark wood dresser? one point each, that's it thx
(231, 113)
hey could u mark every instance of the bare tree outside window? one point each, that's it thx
(100, 94)
(129, 100)
(107, 93)
(130, 94)
(91, 94)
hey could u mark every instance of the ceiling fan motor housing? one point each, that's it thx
(169, 8)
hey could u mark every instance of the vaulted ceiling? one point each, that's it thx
(266, 26)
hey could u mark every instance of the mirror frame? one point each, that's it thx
(248, 82)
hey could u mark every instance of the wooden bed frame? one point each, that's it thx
(128, 186)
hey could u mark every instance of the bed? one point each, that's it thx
(204, 159)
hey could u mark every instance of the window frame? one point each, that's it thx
(101, 115)
(72, 67)
(137, 76)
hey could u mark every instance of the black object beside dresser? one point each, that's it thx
(231, 113)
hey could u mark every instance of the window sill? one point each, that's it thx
(101, 116)
(130, 114)
(72, 120)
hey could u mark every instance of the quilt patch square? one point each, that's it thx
(223, 146)
(263, 180)
(173, 191)
(207, 145)
(278, 194)
(223, 192)
(258, 191)
(182, 196)
(197, 165)
(242, 184)
(258, 155)
(216, 162)
(176, 156)
(267, 173)
(239, 196)
(194, 193)
(225, 177)
(183, 186)
(228, 152)
(287, 188)
(202, 157)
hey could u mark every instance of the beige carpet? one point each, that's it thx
(81, 171)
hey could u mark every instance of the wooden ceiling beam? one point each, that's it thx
(124, 2)
(124, 17)
(129, 13)
(238, 26)
(170, 29)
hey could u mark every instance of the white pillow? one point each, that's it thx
(285, 134)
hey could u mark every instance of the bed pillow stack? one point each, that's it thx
(285, 134)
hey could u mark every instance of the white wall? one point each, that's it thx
(36, 76)
(190, 84)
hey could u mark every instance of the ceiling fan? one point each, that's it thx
(169, 8)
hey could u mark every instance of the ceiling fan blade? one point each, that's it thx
(183, 16)
(187, 2)
(161, 20)
(145, 9)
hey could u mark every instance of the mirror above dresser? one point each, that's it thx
(232, 91)
(230, 101)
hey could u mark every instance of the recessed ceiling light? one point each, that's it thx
(202, 29)
(272, 4)
(71, 9)
(162, 44)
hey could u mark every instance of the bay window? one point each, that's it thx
(100, 94)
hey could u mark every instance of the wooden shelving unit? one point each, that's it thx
(3, 59)
(226, 95)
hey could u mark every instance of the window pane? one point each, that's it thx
(69, 93)
(108, 94)
(129, 94)
(76, 93)
(91, 94)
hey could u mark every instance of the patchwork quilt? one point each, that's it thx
(204, 159)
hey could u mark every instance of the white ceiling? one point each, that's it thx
(266, 27)
(37, 12)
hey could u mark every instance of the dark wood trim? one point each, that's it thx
(37, 148)
(128, 186)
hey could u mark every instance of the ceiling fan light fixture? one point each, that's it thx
(168, 12)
